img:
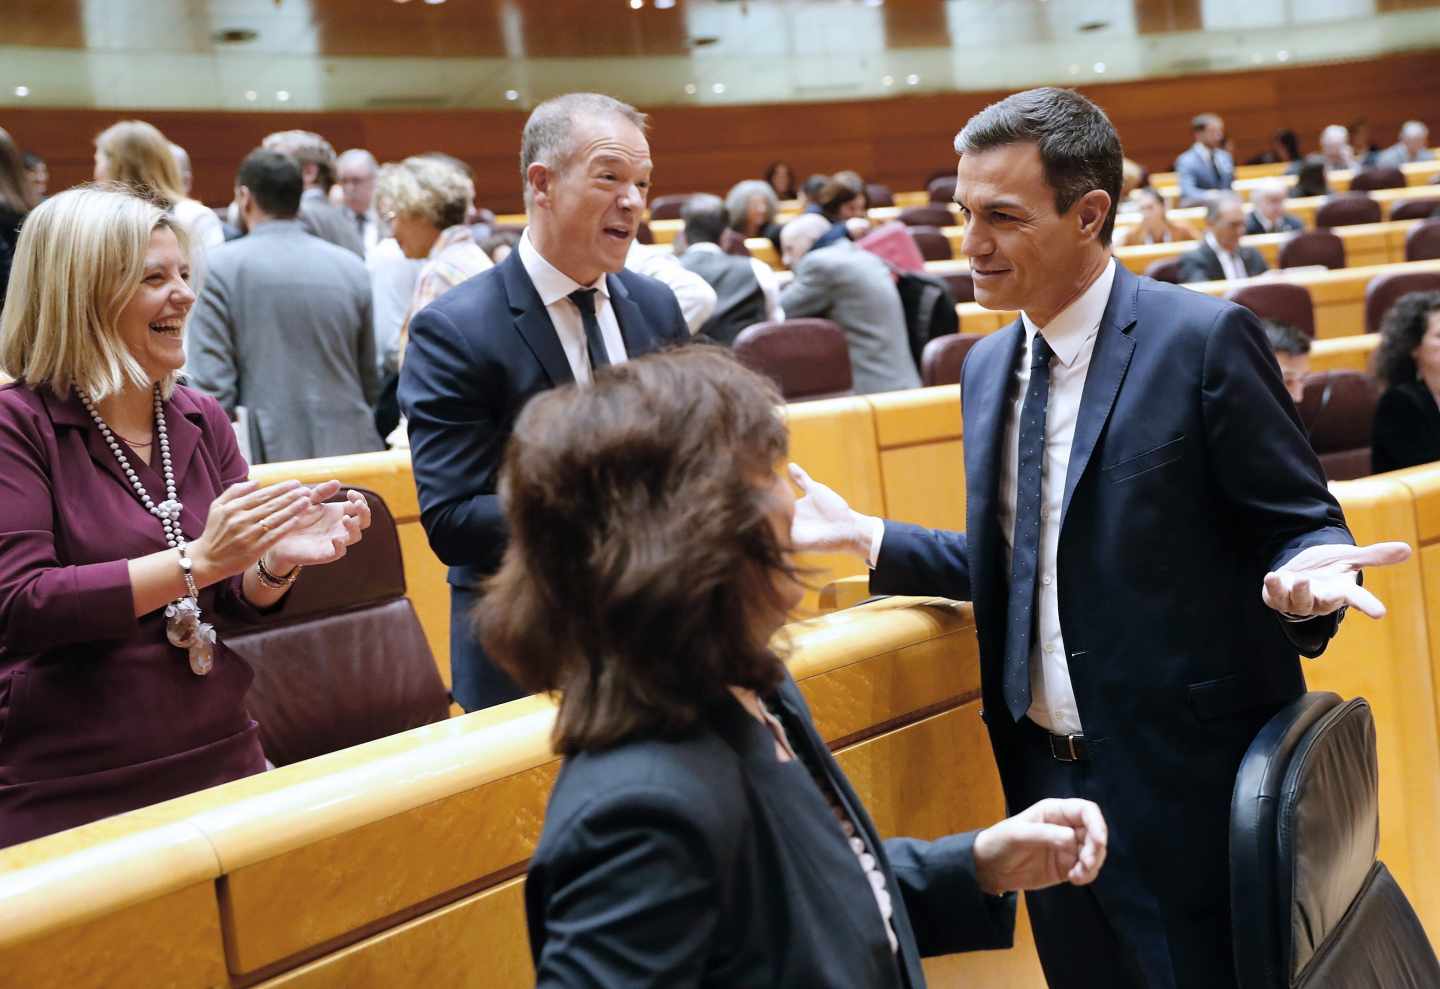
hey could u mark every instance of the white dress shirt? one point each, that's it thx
(554, 288)
(659, 261)
(1231, 264)
(764, 274)
(1071, 334)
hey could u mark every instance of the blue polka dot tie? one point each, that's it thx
(1025, 556)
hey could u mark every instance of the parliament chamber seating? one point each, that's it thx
(1386, 289)
(961, 285)
(1312, 906)
(644, 234)
(943, 358)
(1313, 247)
(1278, 301)
(734, 242)
(933, 245)
(941, 189)
(927, 216)
(1370, 179)
(1423, 242)
(878, 196)
(806, 358)
(345, 661)
(668, 207)
(1165, 270)
(1347, 208)
(1415, 209)
(1338, 411)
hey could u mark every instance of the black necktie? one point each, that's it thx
(360, 222)
(584, 299)
(1025, 556)
(1215, 167)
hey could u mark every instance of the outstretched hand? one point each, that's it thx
(1321, 580)
(324, 532)
(1054, 841)
(823, 520)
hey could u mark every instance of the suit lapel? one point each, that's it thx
(634, 330)
(533, 322)
(985, 398)
(1114, 347)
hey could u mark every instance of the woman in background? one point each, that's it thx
(17, 198)
(1407, 420)
(780, 178)
(135, 154)
(700, 833)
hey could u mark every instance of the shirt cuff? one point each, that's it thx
(877, 533)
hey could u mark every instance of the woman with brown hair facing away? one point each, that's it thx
(700, 833)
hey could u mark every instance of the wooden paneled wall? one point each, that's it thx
(898, 142)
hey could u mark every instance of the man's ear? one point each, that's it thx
(539, 177)
(1092, 210)
(242, 198)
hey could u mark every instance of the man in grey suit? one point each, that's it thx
(317, 162)
(854, 288)
(283, 327)
(1205, 169)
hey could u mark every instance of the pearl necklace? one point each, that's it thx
(183, 626)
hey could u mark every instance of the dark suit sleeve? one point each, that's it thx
(916, 560)
(1398, 433)
(457, 440)
(1254, 261)
(948, 911)
(632, 899)
(1194, 269)
(1261, 459)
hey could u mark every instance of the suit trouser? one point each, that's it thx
(1113, 934)
(475, 681)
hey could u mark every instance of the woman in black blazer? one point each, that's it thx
(699, 833)
(1407, 363)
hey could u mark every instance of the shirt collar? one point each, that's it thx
(1220, 252)
(451, 236)
(1077, 322)
(550, 282)
(705, 246)
(1204, 150)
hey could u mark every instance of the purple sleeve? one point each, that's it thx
(44, 605)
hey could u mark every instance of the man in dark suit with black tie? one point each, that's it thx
(1150, 543)
(1220, 255)
(559, 307)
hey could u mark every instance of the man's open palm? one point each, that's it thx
(1322, 579)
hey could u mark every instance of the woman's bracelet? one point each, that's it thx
(271, 580)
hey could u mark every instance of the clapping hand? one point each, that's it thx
(1054, 841)
(1321, 580)
(324, 531)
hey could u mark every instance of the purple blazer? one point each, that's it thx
(99, 714)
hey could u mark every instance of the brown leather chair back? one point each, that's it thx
(806, 358)
(934, 245)
(644, 234)
(942, 189)
(943, 358)
(1165, 270)
(1377, 178)
(668, 207)
(1415, 209)
(927, 216)
(1347, 209)
(1386, 289)
(1423, 242)
(961, 285)
(1338, 410)
(877, 196)
(345, 661)
(1280, 301)
(733, 242)
(1310, 247)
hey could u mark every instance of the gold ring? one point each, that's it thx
(265, 525)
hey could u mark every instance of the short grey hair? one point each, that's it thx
(1278, 188)
(704, 219)
(1078, 146)
(1414, 128)
(737, 201)
(1335, 132)
(800, 234)
(427, 188)
(1218, 203)
(360, 155)
(546, 138)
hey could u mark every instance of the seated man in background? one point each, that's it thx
(1205, 168)
(1335, 149)
(854, 288)
(1221, 256)
(746, 289)
(283, 327)
(1268, 215)
(1155, 226)
(1414, 136)
(1292, 352)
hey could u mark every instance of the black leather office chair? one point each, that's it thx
(1312, 907)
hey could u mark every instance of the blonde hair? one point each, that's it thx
(79, 261)
(137, 155)
(429, 188)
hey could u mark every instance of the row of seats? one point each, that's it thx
(400, 860)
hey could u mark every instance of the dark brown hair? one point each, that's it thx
(1402, 329)
(641, 562)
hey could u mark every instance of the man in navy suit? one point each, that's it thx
(1205, 168)
(557, 309)
(1150, 542)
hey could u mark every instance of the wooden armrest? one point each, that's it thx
(845, 592)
